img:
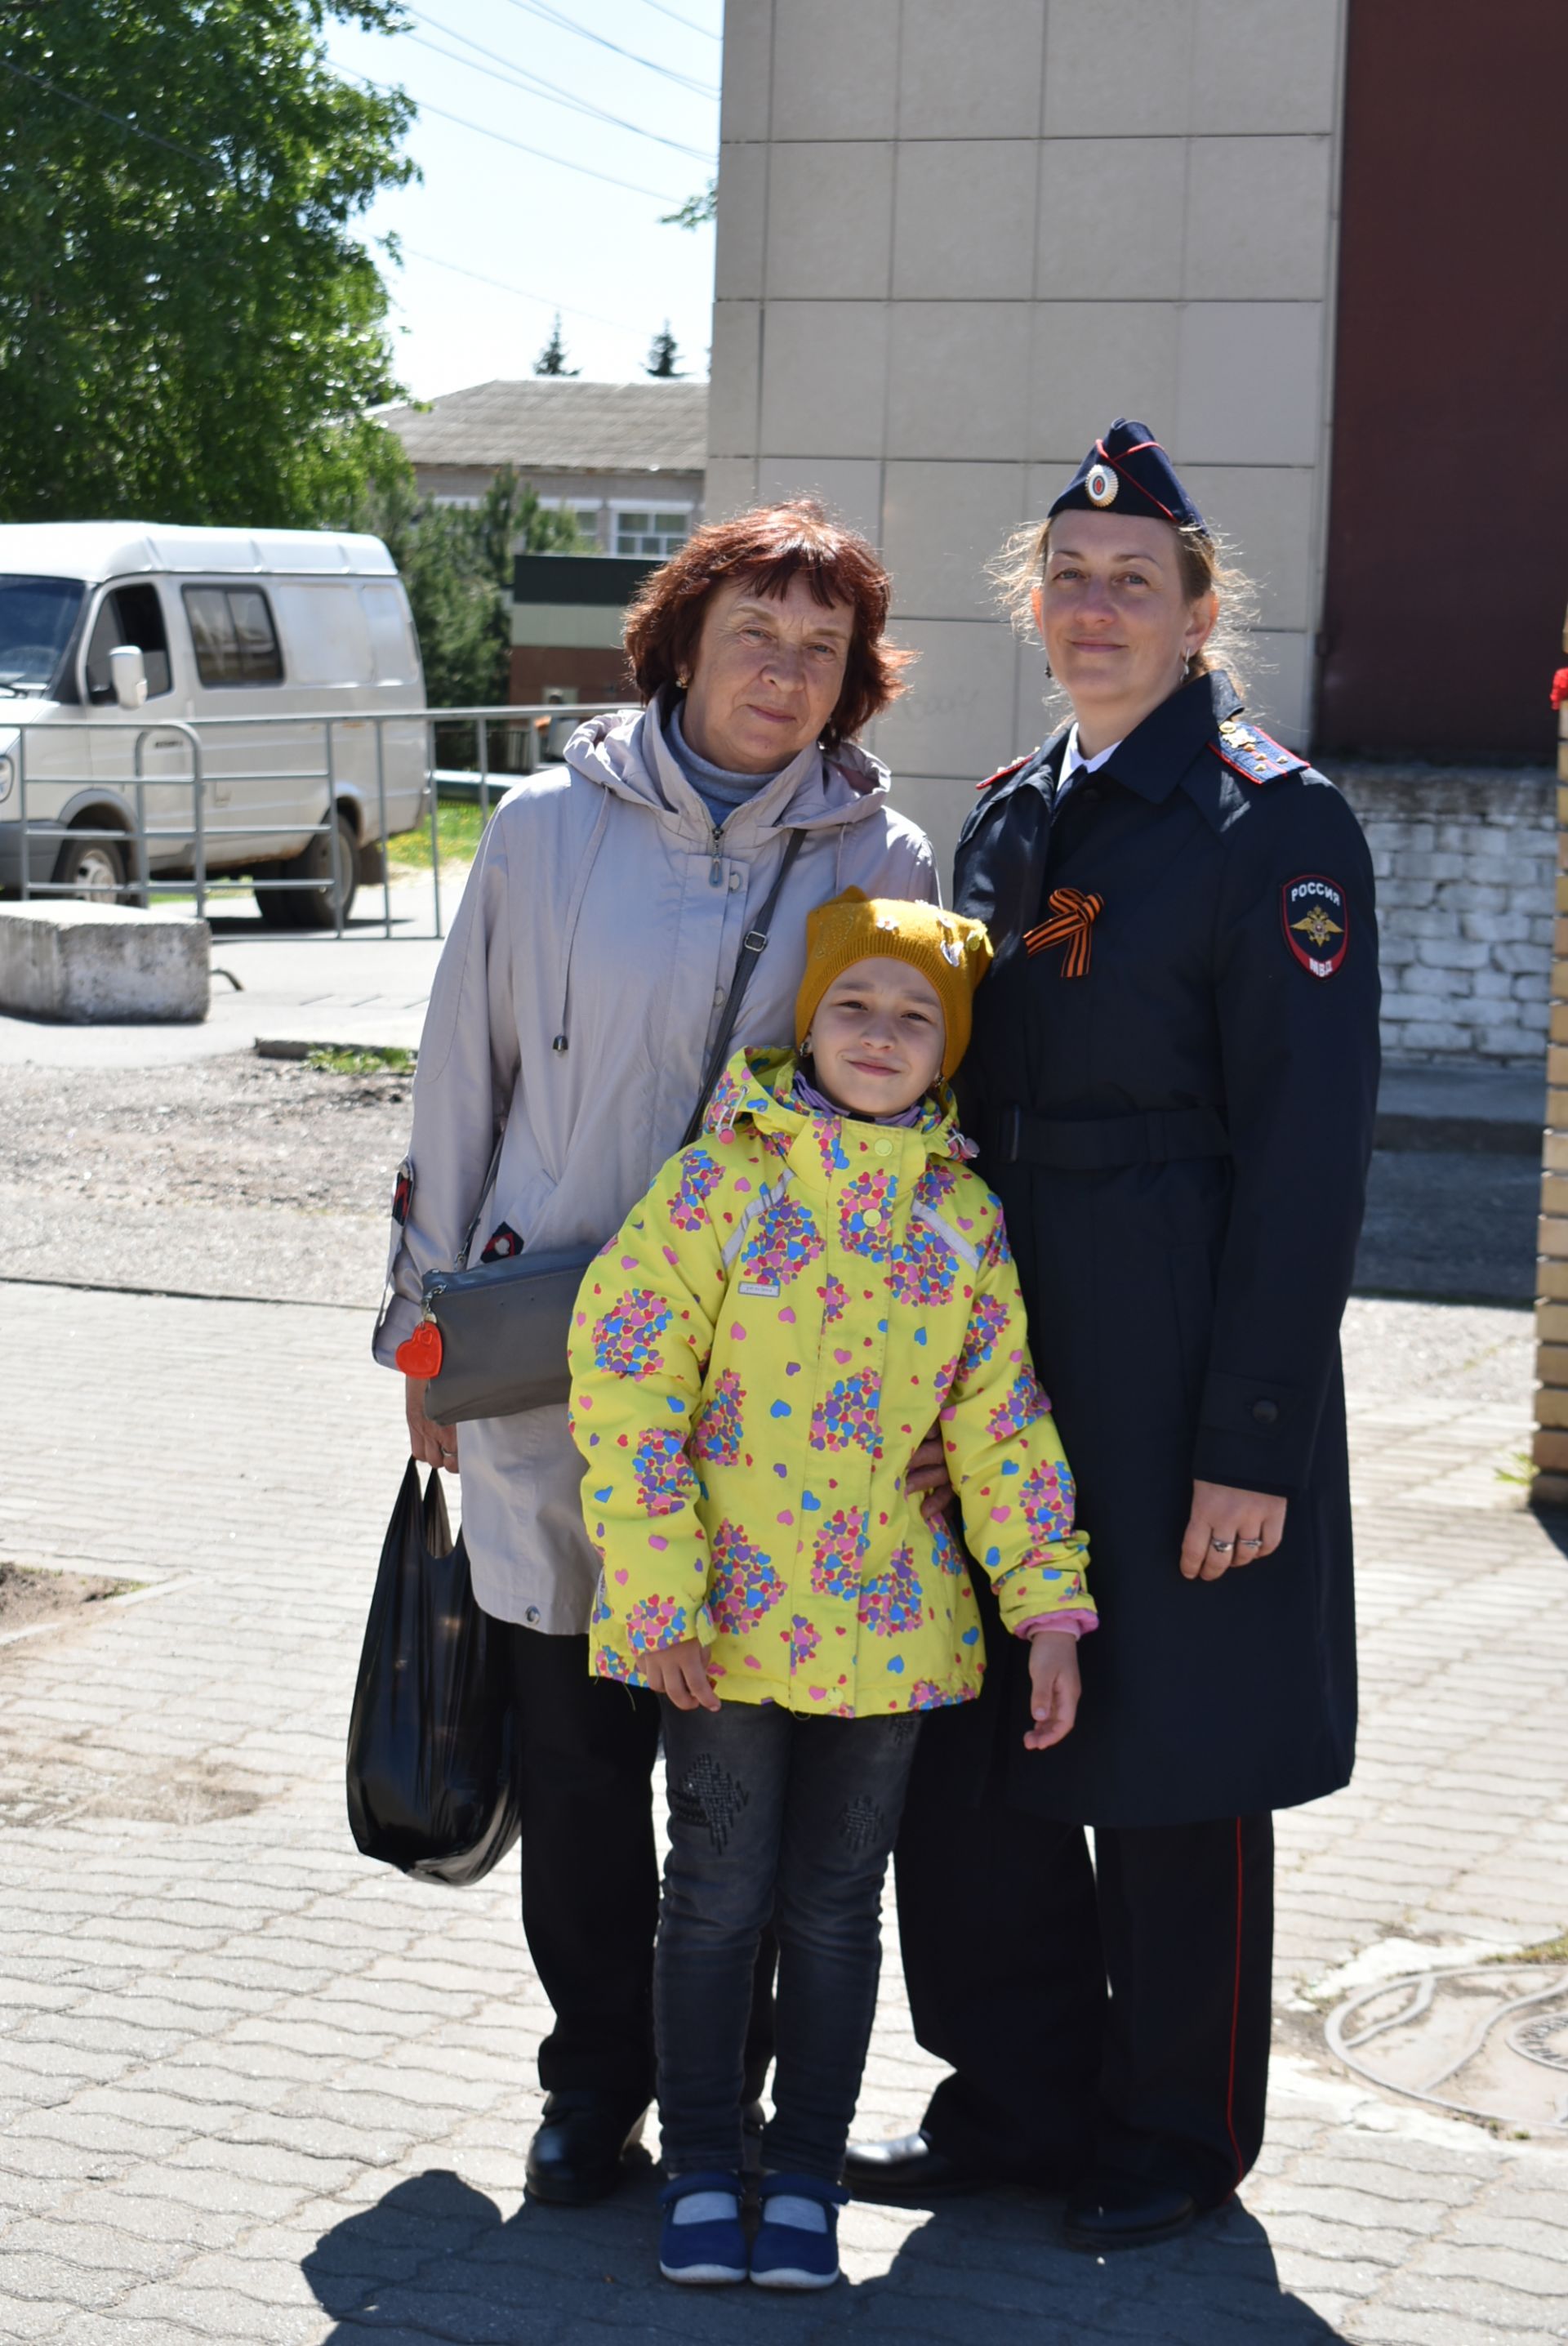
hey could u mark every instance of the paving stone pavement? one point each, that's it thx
(253, 2090)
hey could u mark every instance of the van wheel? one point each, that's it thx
(314, 907)
(278, 907)
(91, 869)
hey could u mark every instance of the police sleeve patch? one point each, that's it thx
(1317, 921)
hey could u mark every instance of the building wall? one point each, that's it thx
(955, 241)
(1447, 565)
(604, 492)
(1466, 866)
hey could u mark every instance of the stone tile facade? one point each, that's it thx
(954, 242)
(1466, 867)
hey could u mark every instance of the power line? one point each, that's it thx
(541, 154)
(674, 14)
(501, 286)
(169, 146)
(549, 15)
(534, 86)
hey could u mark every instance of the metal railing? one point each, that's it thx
(203, 837)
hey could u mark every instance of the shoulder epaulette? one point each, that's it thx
(1253, 755)
(1003, 773)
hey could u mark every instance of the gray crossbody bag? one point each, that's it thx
(504, 1325)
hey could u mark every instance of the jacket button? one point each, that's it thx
(1265, 1412)
(719, 998)
(884, 1147)
(532, 1614)
(734, 881)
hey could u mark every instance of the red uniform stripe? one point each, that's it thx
(1235, 2020)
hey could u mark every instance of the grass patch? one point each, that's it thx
(460, 824)
(1550, 1951)
(388, 1059)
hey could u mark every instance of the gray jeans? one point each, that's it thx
(788, 1820)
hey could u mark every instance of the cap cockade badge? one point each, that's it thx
(1100, 485)
(1317, 923)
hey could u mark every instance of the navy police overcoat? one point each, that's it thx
(1173, 1080)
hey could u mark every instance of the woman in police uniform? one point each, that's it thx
(1173, 1079)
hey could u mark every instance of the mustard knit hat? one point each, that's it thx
(952, 952)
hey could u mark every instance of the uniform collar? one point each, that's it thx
(1157, 754)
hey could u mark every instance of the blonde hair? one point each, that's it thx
(1208, 566)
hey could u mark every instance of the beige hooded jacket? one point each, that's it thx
(575, 1005)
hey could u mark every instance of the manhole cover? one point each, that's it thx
(1491, 2043)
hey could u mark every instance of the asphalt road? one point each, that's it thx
(1450, 1224)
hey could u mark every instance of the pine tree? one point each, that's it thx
(663, 352)
(552, 359)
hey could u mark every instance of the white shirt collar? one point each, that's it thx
(1074, 763)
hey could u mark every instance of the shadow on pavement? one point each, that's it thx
(434, 2264)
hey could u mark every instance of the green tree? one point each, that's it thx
(552, 359)
(663, 352)
(188, 330)
(696, 210)
(456, 563)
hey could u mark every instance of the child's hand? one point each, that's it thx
(681, 1673)
(1053, 1687)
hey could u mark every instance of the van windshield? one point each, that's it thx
(36, 616)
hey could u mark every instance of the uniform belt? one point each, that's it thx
(1096, 1144)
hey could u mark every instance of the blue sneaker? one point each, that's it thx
(701, 2241)
(796, 2242)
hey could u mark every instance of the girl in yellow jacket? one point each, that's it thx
(756, 1357)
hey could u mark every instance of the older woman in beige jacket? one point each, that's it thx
(572, 1014)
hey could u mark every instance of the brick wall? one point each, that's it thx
(1466, 866)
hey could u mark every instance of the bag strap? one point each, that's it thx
(751, 947)
(461, 1262)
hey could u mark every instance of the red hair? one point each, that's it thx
(765, 548)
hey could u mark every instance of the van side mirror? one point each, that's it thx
(127, 672)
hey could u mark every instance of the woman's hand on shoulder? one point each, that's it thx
(1229, 1528)
(681, 1673)
(1053, 1687)
(432, 1444)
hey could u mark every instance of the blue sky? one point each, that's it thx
(548, 235)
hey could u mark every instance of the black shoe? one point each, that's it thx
(1121, 2211)
(577, 2155)
(909, 2170)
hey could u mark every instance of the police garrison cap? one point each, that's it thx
(1128, 470)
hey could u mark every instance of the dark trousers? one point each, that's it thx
(585, 1751)
(792, 1819)
(1011, 1941)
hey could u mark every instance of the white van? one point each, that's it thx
(229, 624)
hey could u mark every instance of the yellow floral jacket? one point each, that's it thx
(756, 1356)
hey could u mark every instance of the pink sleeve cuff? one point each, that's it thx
(1061, 1625)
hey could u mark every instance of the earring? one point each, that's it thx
(682, 679)
(1049, 669)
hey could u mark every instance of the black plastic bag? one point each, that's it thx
(431, 1780)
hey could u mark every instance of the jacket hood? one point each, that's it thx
(757, 1089)
(626, 753)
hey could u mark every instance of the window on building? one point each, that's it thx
(128, 615)
(656, 530)
(233, 636)
(585, 516)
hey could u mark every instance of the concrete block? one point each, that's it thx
(1523, 961)
(101, 964)
(1445, 951)
(1495, 928)
(1432, 1036)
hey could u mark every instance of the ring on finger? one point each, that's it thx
(1249, 1543)
(1222, 1547)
